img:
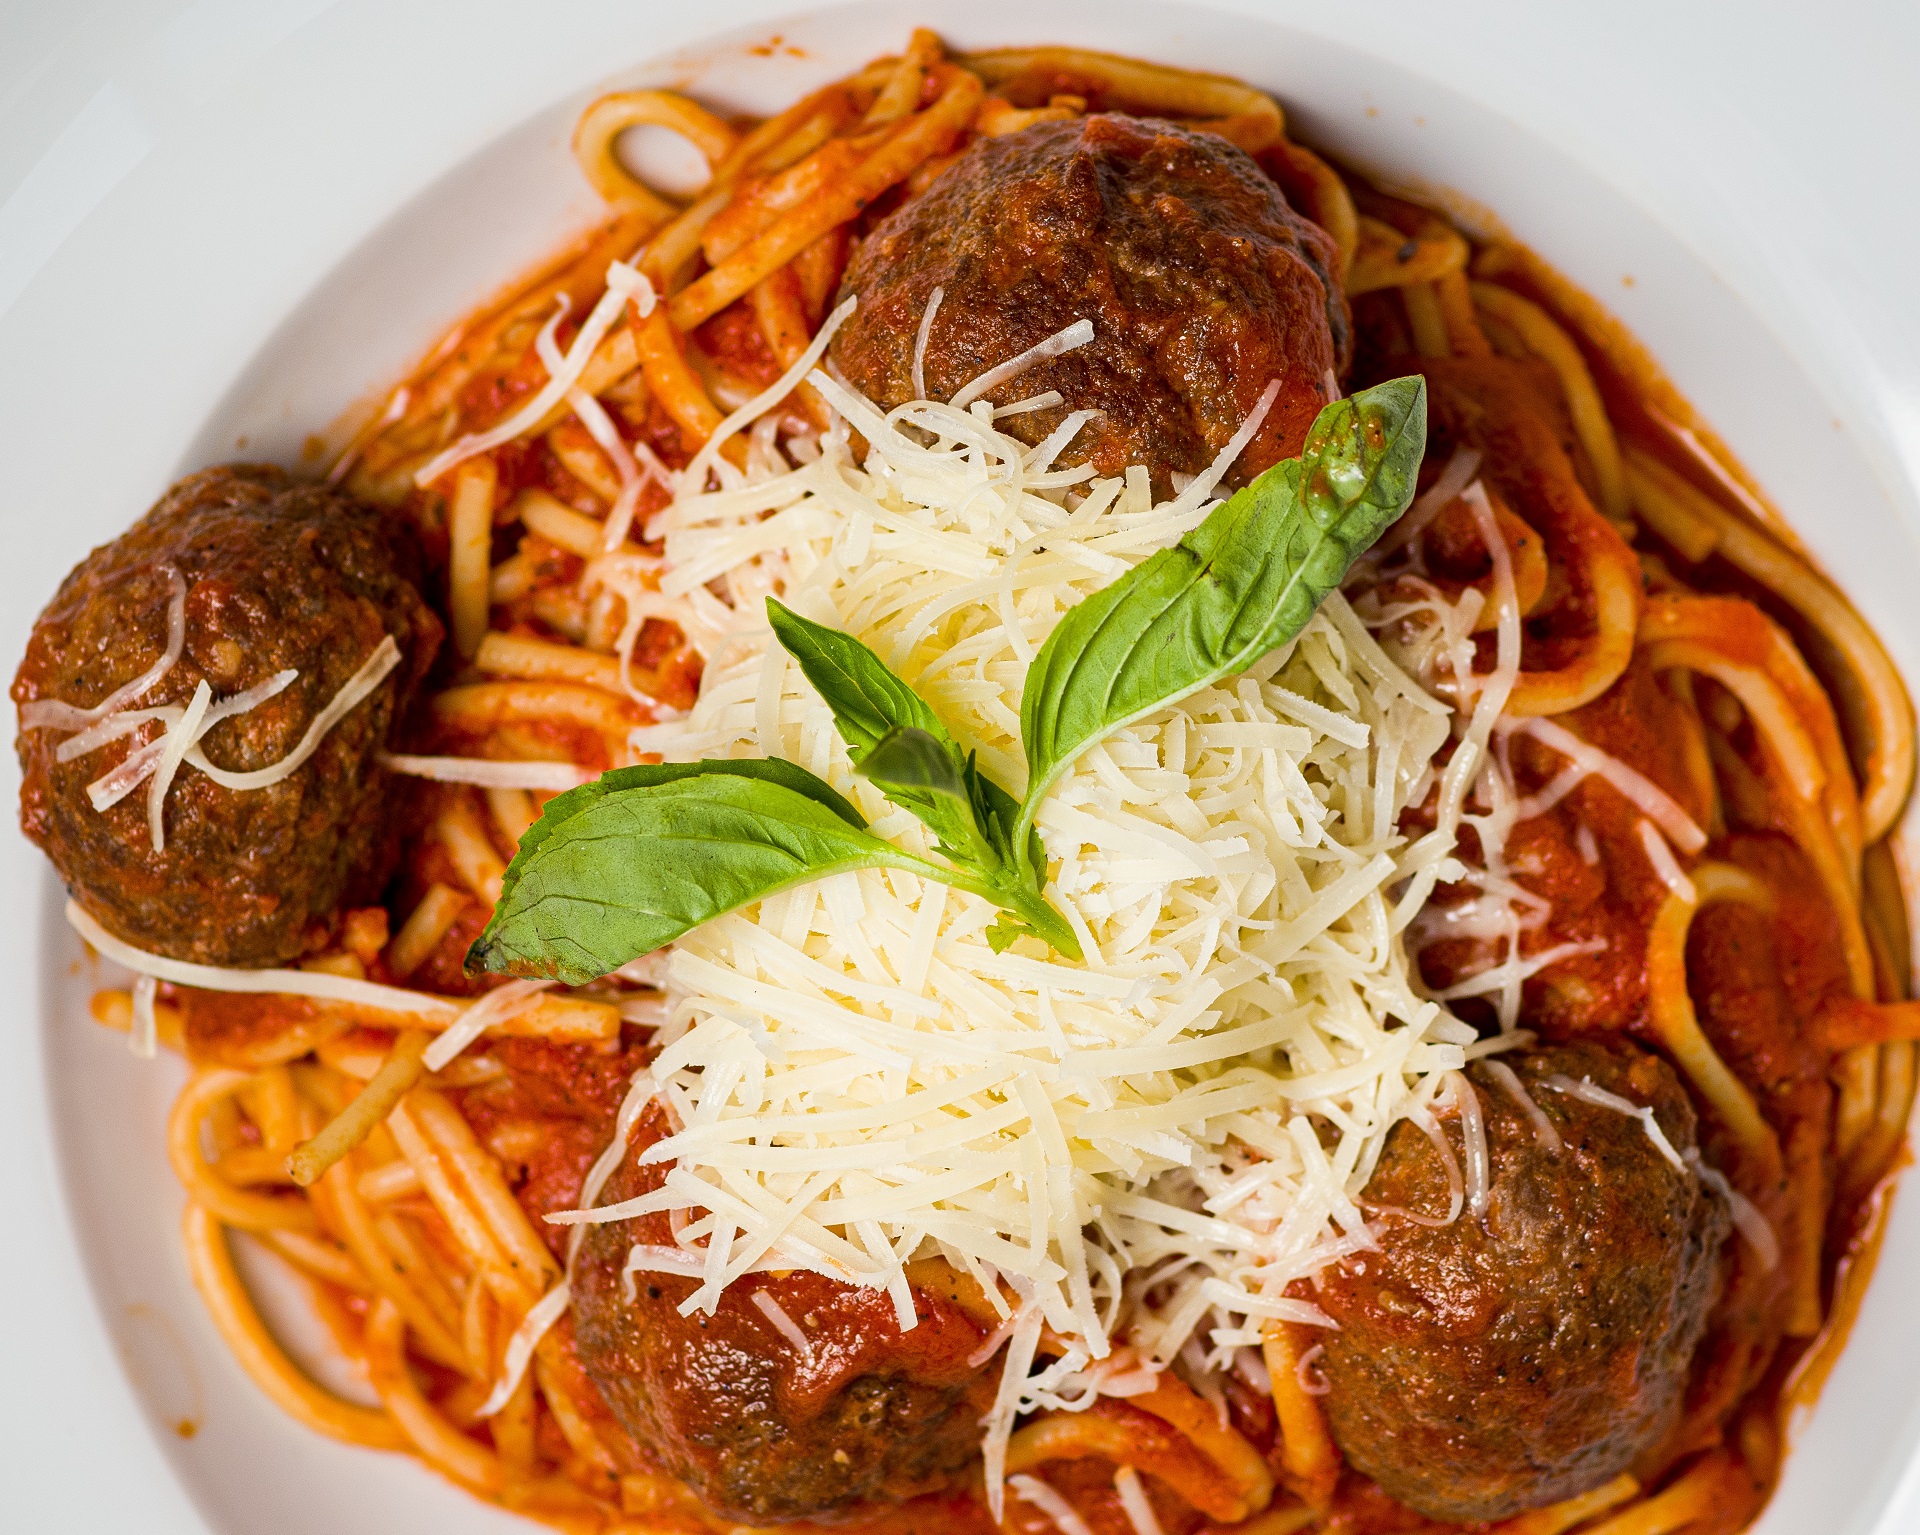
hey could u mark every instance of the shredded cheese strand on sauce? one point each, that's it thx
(526, 1338)
(624, 285)
(495, 1007)
(489, 773)
(317, 984)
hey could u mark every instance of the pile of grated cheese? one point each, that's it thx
(1147, 1147)
(1432, 637)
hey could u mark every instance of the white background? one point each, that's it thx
(1777, 141)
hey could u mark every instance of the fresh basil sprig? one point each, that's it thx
(868, 700)
(624, 865)
(902, 746)
(1240, 585)
(916, 769)
(628, 863)
(866, 697)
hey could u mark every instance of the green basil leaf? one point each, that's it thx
(918, 771)
(925, 774)
(1240, 585)
(1036, 914)
(773, 769)
(619, 874)
(868, 699)
(1002, 934)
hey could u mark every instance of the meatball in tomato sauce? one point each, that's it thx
(1510, 1360)
(796, 1396)
(1202, 286)
(275, 576)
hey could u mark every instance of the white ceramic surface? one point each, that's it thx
(266, 210)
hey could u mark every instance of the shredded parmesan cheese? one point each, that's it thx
(317, 984)
(1434, 639)
(161, 758)
(372, 672)
(1133, 1499)
(783, 1324)
(519, 1351)
(555, 777)
(1066, 1519)
(1059, 343)
(1200, 487)
(1754, 1228)
(918, 373)
(1589, 1092)
(396, 409)
(1044, 401)
(51, 713)
(1586, 844)
(135, 768)
(618, 573)
(497, 1006)
(1665, 865)
(143, 1038)
(640, 1092)
(1509, 1080)
(1473, 1132)
(1151, 1145)
(179, 737)
(624, 285)
(1585, 760)
(708, 458)
(1459, 473)
(1456, 1184)
(627, 463)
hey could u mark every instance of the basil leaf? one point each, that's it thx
(866, 697)
(1240, 585)
(633, 867)
(564, 806)
(625, 864)
(1038, 917)
(869, 699)
(925, 775)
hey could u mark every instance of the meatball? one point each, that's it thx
(760, 1428)
(1202, 285)
(278, 575)
(1498, 1364)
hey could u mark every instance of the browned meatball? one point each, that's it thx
(1201, 283)
(759, 1428)
(1498, 1364)
(278, 575)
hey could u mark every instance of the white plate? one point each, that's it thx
(266, 210)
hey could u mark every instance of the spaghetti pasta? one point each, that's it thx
(596, 139)
(1547, 340)
(1701, 528)
(1310, 1460)
(240, 1326)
